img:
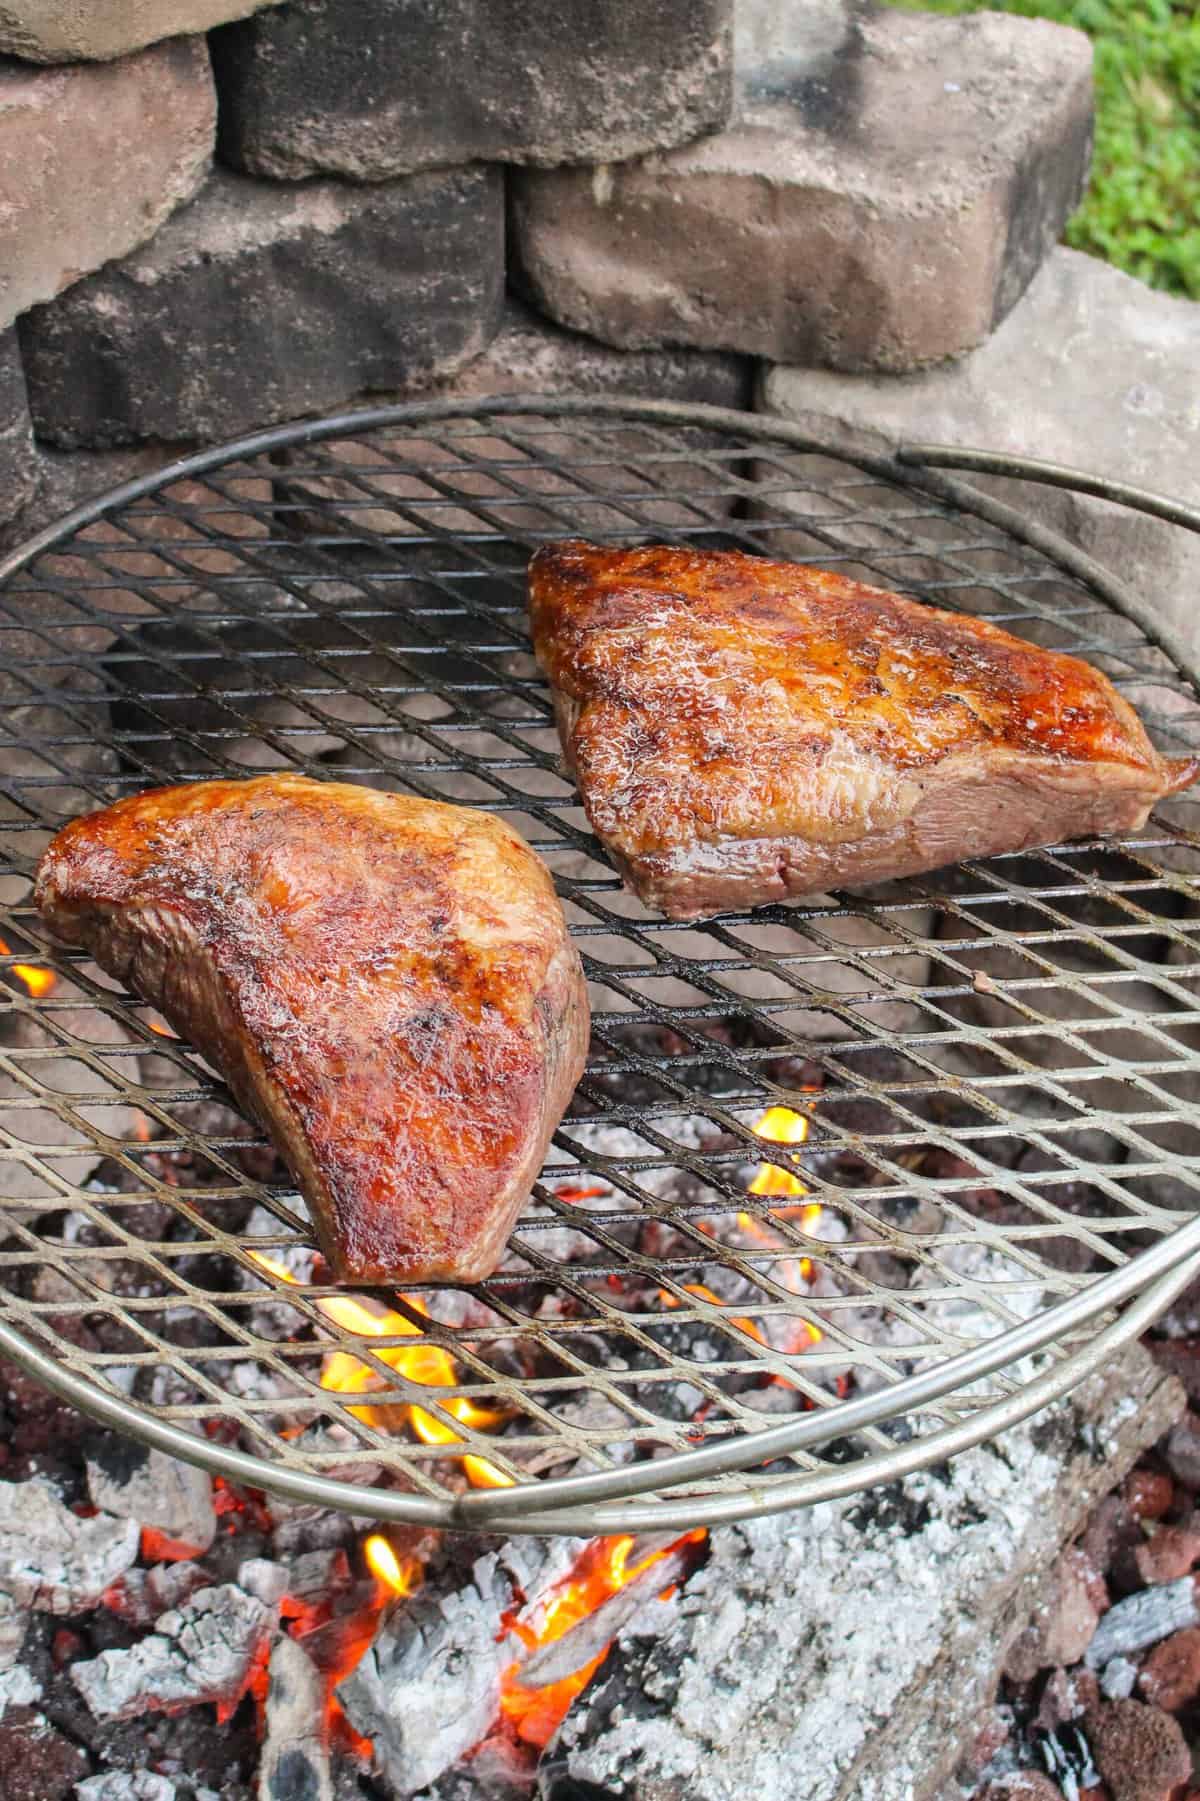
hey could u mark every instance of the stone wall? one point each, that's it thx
(216, 215)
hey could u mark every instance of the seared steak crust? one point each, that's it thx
(743, 730)
(386, 983)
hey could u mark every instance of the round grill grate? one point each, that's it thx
(847, 1186)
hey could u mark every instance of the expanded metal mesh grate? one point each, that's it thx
(987, 1081)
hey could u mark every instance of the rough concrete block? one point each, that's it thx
(888, 187)
(257, 303)
(384, 87)
(529, 356)
(18, 463)
(1092, 369)
(93, 158)
(63, 31)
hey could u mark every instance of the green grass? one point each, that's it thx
(1142, 210)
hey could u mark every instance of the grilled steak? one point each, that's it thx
(745, 731)
(386, 983)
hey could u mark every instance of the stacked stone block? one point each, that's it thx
(309, 206)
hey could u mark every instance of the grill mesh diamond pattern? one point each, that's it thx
(996, 1067)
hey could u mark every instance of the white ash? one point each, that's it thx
(316, 1574)
(254, 1381)
(1183, 1319)
(772, 1658)
(249, 1380)
(340, 1454)
(18, 1686)
(299, 1526)
(274, 1318)
(596, 1631)
(155, 1490)
(295, 1759)
(51, 1559)
(141, 1596)
(202, 1651)
(428, 1689)
(13, 1620)
(170, 1388)
(565, 1244)
(1142, 1619)
(139, 1785)
(593, 1414)
(460, 1308)
(959, 1316)
(1117, 1678)
(266, 1580)
(976, 1264)
(120, 1377)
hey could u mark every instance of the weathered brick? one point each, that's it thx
(258, 303)
(93, 158)
(879, 202)
(63, 31)
(1092, 369)
(382, 87)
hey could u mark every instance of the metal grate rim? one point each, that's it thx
(344, 596)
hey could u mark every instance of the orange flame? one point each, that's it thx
(37, 981)
(395, 1575)
(782, 1126)
(536, 1713)
(706, 1294)
(424, 1363)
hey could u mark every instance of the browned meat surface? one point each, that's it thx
(744, 731)
(386, 983)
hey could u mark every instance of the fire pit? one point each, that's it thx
(848, 1186)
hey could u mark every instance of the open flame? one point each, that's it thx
(781, 1125)
(396, 1575)
(531, 1713)
(706, 1294)
(424, 1363)
(536, 1713)
(35, 980)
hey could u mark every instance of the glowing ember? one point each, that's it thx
(37, 981)
(159, 1026)
(397, 1576)
(535, 1714)
(706, 1294)
(423, 1363)
(573, 1194)
(159, 1547)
